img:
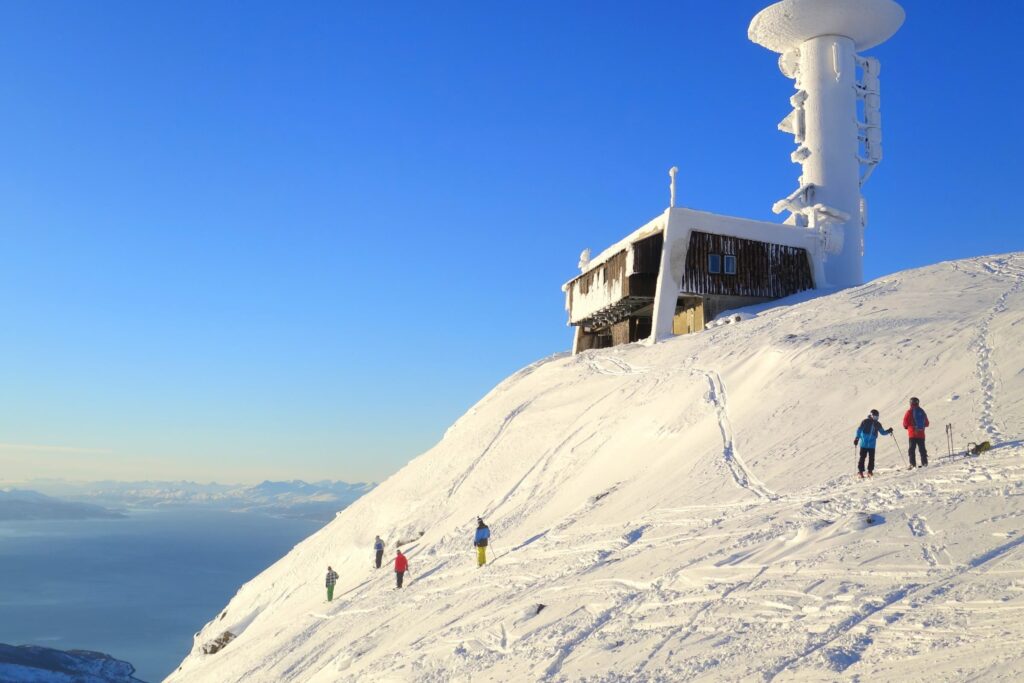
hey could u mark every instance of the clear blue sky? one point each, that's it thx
(250, 240)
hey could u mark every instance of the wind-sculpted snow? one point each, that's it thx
(690, 511)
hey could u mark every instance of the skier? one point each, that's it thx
(332, 578)
(480, 541)
(866, 436)
(914, 421)
(378, 547)
(401, 567)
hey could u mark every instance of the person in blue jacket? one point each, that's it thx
(378, 548)
(866, 436)
(480, 541)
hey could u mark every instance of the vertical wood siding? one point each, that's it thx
(762, 268)
(614, 271)
(647, 254)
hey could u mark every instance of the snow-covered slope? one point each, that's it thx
(688, 511)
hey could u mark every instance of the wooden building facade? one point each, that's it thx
(612, 303)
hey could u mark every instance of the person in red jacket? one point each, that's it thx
(401, 567)
(914, 421)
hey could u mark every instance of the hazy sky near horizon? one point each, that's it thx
(298, 240)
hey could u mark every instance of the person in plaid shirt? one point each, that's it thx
(332, 578)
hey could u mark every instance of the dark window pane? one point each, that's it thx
(730, 265)
(714, 263)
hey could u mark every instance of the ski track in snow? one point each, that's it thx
(929, 590)
(743, 477)
(842, 624)
(483, 454)
(611, 365)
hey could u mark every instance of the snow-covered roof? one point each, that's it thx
(745, 228)
(653, 226)
(716, 224)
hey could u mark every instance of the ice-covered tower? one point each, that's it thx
(839, 143)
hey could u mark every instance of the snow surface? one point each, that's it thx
(688, 511)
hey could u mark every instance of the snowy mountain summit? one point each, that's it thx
(691, 511)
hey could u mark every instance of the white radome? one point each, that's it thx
(787, 24)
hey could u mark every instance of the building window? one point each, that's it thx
(729, 264)
(714, 263)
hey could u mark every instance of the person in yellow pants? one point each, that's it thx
(480, 541)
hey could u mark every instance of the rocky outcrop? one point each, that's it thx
(218, 643)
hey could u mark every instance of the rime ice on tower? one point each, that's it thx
(682, 270)
(818, 41)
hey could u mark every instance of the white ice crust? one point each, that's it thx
(787, 24)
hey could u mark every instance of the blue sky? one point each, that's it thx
(252, 240)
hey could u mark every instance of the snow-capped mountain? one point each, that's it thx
(318, 500)
(20, 504)
(32, 664)
(690, 511)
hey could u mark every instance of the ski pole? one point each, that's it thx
(896, 441)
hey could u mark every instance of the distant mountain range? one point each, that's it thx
(19, 504)
(317, 500)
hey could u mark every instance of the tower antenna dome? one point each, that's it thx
(787, 24)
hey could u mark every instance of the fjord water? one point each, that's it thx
(137, 588)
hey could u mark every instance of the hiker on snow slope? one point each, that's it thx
(915, 421)
(480, 541)
(401, 567)
(867, 434)
(332, 578)
(378, 548)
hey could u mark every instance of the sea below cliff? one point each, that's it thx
(138, 587)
